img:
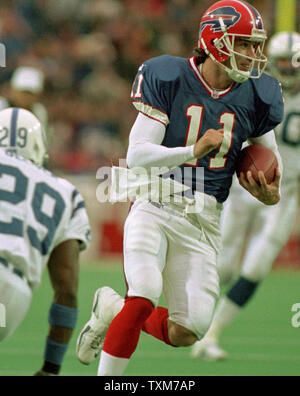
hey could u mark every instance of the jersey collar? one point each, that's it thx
(215, 94)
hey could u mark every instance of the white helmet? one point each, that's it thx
(22, 133)
(285, 46)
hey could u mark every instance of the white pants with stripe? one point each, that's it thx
(15, 299)
(168, 252)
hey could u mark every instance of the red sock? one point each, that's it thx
(157, 325)
(123, 334)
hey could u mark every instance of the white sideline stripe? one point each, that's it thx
(260, 341)
(32, 352)
(30, 373)
(19, 351)
(261, 357)
(228, 342)
(232, 356)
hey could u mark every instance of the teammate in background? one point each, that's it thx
(193, 113)
(262, 231)
(25, 90)
(43, 222)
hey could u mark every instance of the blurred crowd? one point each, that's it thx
(89, 52)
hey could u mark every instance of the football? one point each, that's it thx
(255, 158)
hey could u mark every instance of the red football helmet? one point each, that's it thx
(221, 24)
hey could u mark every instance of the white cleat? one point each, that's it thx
(208, 350)
(106, 305)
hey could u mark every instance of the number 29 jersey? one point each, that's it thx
(38, 211)
(172, 91)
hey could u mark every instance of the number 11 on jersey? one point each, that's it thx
(219, 160)
(227, 120)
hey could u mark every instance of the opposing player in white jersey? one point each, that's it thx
(266, 229)
(43, 223)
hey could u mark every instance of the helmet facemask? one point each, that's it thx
(225, 46)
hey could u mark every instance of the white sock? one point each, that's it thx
(225, 314)
(111, 366)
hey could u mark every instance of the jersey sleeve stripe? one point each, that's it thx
(258, 18)
(14, 119)
(81, 205)
(74, 195)
(151, 112)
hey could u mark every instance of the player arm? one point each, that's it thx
(268, 140)
(145, 149)
(269, 194)
(63, 270)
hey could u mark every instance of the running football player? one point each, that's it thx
(193, 114)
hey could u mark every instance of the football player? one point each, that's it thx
(193, 113)
(248, 226)
(43, 223)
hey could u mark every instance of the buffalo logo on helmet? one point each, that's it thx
(229, 15)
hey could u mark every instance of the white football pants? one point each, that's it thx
(15, 297)
(168, 252)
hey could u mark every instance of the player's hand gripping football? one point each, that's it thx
(211, 139)
(266, 193)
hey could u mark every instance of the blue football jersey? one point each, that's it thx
(172, 91)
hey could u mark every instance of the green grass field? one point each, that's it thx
(262, 341)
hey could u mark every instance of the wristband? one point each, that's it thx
(54, 353)
(63, 316)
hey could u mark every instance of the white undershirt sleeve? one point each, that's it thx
(145, 149)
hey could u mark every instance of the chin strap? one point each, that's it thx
(235, 75)
(238, 76)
